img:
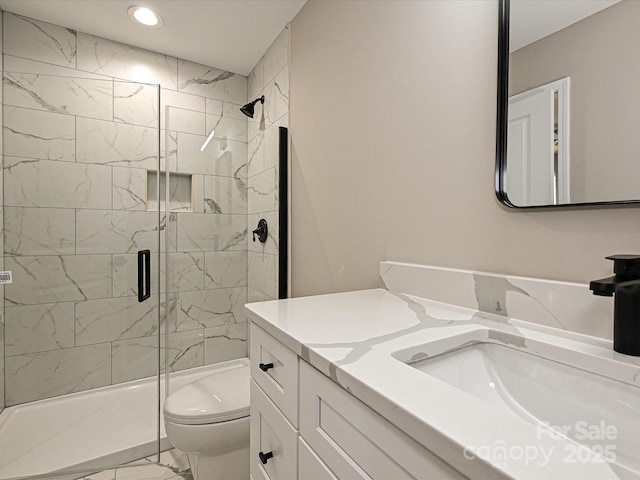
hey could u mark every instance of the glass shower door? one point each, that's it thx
(82, 238)
(206, 269)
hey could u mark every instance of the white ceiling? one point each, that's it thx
(228, 34)
(532, 20)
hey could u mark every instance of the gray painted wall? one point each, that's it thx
(392, 119)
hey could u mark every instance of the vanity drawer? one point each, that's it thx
(310, 467)
(354, 441)
(273, 451)
(278, 376)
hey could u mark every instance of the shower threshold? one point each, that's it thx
(90, 430)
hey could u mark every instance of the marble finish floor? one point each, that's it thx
(173, 465)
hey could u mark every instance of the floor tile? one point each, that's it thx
(174, 465)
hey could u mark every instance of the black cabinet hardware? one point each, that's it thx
(264, 457)
(265, 366)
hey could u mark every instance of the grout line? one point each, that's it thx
(75, 231)
(75, 322)
(75, 138)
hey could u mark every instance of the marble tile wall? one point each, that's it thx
(2, 320)
(270, 78)
(80, 129)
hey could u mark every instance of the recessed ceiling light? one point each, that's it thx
(145, 16)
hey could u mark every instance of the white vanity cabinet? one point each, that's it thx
(274, 409)
(316, 430)
(274, 441)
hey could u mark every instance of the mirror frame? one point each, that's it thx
(502, 121)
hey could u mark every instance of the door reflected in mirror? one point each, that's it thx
(570, 130)
(538, 160)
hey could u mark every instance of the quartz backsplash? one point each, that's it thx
(563, 305)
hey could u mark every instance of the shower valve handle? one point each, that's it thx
(262, 231)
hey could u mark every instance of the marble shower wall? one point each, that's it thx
(2, 402)
(80, 135)
(270, 78)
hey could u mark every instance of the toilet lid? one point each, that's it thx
(216, 398)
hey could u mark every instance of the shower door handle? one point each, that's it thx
(144, 275)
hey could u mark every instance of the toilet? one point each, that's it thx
(208, 419)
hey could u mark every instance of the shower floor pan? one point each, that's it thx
(89, 430)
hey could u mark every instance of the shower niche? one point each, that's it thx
(180, 191)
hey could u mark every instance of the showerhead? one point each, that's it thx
(249, 108)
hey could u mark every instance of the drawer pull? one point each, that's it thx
(264, 457)
(265, 366)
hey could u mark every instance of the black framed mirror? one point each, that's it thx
(568, 128)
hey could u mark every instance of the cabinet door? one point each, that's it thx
(274, 442)
(357, 443)
(275, 368)
(310, 467)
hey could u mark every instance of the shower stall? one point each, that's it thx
(127, 216)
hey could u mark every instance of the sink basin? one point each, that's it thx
(562, 400)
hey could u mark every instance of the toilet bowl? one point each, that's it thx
(208, 419)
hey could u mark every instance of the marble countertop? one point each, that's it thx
(359, 340)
